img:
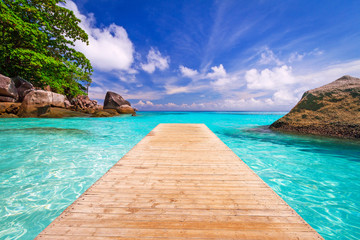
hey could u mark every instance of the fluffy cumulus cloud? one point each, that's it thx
(217, 72)
(284, 97)
(155, 60)
(109, 48)
(223, 81)
(276, 88)
(188, 72)
(147, 103)
(269, 79)
(217, 79)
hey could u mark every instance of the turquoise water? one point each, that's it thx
(45, 164)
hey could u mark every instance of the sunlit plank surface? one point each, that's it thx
(180, 182)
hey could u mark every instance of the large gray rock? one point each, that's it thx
(330, 110)
(37, 103)
(8, 89)
(117, 102)
(114, 101)
(23, 87)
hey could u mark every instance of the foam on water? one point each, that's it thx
(45, 164)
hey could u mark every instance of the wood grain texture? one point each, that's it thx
(179, 182)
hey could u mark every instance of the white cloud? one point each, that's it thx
(284, 97)
(188, 72)
(250, 104)
(217, 72)
(223, 80)
(149, 103)
(140, 103)
(269, 79)
(173, 89)
(109, 48)
(155, 60)
(170, 104)
(268, 57)
(295, 56)
(286, 88)
(97, 93)
(329, 74)
(217, 79)
(144, 94)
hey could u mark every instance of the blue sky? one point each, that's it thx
(218, 55)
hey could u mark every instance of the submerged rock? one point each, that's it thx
(330, 110)
(117, 102)
(8, 91)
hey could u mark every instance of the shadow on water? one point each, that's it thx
(314, 144)
(44, 130)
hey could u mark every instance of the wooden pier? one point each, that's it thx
(179, 182)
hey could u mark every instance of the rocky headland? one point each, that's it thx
(19, 98)
(331, 110)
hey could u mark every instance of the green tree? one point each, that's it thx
(37, 43)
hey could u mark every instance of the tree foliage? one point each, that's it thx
(37, 43)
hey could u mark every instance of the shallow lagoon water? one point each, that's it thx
(45, 164)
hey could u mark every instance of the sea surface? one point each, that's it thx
(45, 164)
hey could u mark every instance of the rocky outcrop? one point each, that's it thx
(19, 98)
(330, 110)
(23, 87)
(83, 103)
(44, 98)
(37, 102)
(13, 89)
(8, 91)
(117, 102)
(9, 108)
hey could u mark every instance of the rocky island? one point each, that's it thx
(331, 110)
(19, 98)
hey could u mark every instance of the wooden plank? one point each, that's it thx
(179, 182)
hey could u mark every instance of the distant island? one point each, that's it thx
(331, 110)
